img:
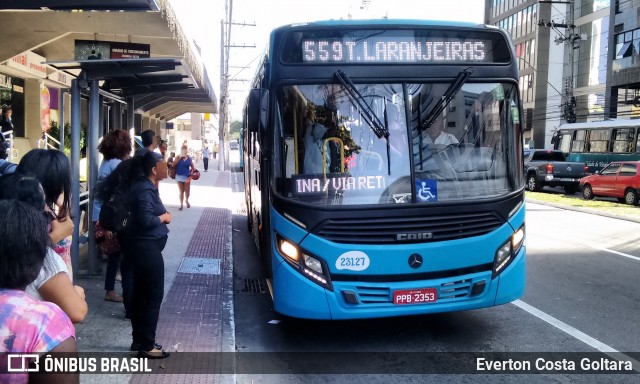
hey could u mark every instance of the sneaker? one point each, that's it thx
(136, 346)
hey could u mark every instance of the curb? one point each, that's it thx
(586, 210)
(228, 323)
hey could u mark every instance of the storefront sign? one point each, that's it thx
(102, 50)
(29, 62)
(60, 78)
(130, 51)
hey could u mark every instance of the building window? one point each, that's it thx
(627, 43)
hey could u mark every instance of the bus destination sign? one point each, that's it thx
(394, 51)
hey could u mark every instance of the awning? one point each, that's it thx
(100, 5)
(161, 86)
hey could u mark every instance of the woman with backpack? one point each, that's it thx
(115, 147)
(142, 235)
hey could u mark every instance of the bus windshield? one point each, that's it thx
(330, 150)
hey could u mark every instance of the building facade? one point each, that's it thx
(623, 86)
(565, 50)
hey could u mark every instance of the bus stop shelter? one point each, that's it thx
(168, 82)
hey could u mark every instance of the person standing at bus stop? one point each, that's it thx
(183, 166)
(205, 157)
(115, 147)
(142, 244)
(6, 124)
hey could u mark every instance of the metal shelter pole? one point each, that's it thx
(93, 136)
(75, 173)
(62, 116)
(130, 115)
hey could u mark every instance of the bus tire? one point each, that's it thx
(533, 184)
(630, 196)
(587, 192)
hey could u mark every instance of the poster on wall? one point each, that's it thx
(103, 50)
(92, 50)
(45, 109)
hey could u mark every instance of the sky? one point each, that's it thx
(201, 21)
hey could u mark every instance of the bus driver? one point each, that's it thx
(436, 135)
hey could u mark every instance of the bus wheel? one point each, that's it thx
(587, 192)
(532, 183)
(631, 196)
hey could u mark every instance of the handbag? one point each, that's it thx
(108, 246)
(172, 172)
(194, 174)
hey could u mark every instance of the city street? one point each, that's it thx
(581, 297)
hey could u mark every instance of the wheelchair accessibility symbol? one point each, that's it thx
(426, 190)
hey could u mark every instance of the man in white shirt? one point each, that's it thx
(436, 135)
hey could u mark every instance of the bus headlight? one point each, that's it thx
(311, 267)
(288, 249)
(507, 252)
(313, 263)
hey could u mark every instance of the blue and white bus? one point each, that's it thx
(383, 168)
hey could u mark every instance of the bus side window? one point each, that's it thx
(579, 141)
(622, 140)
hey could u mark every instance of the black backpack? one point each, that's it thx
(115, 214)
(7, 167)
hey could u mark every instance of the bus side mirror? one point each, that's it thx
(257, 108)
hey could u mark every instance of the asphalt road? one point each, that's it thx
(581, 297)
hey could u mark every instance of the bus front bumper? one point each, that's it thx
(297, 296)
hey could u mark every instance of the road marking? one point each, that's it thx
(590, 341)
(616, 253)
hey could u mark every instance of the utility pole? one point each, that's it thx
(225, 45)
(569, 38)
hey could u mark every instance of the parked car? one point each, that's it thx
(550, 167)
(619, 179)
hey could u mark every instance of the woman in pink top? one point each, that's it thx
(28, 325)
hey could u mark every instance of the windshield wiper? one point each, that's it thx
(378, 127)
(448, 95)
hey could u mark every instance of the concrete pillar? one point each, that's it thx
(32, 121)
(145, 123)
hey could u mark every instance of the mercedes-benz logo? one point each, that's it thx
(415, 261)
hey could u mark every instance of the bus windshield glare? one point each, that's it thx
(370, 144)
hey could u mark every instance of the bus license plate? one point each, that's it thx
(415, 296)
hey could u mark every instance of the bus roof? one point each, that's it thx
(387, 23)
(615, 123)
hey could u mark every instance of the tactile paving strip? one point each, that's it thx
(191, 314)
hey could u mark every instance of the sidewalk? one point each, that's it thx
(197, 311)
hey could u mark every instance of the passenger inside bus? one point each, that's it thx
(313, 143)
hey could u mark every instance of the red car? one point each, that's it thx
(619, 179)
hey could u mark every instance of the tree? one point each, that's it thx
(54, 131)
(234, 130)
